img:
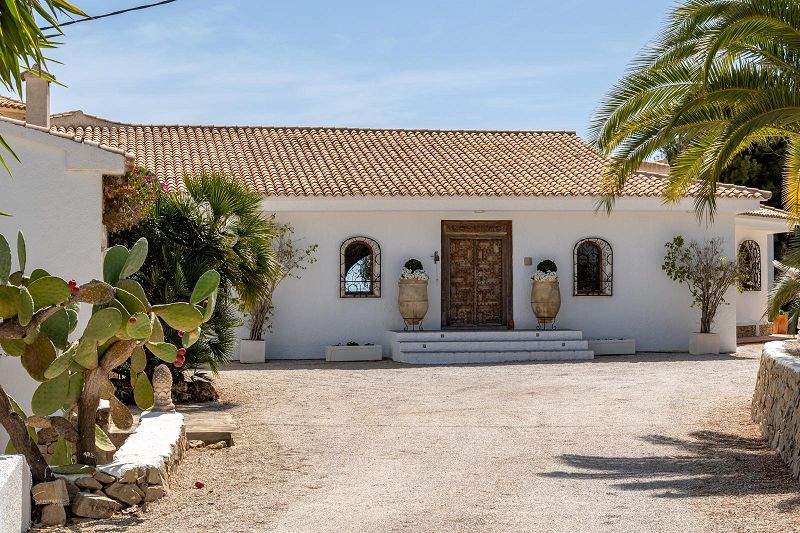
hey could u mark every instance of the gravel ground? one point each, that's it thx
(645, 443)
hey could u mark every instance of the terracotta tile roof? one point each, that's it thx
(285, 161)
(766, 211)
(88, 142)
(10, 103)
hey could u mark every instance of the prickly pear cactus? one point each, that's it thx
(38, 321)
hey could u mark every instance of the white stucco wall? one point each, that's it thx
(646, 305)
(751, 306)
(55, 197)
(15, 494)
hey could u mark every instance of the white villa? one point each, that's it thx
(479, 209)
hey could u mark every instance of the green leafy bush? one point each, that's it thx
(547, 266)
(413, 265)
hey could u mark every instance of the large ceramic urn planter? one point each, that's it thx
(413, 301)
(704, 343)
(545, 301)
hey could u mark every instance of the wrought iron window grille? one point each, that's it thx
(592, 268)
(360, 268)
(750, 265)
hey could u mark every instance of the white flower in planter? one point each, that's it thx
(544, 276)
(406, 273)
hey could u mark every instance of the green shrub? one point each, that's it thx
(547, 266)
(414, 264)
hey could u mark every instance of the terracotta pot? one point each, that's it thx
(413, 300)
(781, 324)
(545, 300)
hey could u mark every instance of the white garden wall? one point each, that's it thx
(55, 197)
(645, 305)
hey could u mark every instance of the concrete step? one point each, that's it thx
(447, 358)
(493, 346)
(487, 335)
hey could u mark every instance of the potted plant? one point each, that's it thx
(709, 275)
(290, 259)
(413, 293)
(545, 294)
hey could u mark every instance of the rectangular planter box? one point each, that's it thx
(252, 352)
(354, 353)
(613, 346)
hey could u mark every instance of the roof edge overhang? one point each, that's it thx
(725, 206)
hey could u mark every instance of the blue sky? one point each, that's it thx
(455, 64)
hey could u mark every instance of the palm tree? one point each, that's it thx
(722, 75)
(216, 224)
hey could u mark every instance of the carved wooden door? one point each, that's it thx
(476, 289)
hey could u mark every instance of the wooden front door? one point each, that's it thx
(476, 267)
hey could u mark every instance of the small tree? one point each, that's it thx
(707, 272)
(290, 259)
(40, 311)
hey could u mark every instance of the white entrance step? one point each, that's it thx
(457, 346)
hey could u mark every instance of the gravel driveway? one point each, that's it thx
(644, 443)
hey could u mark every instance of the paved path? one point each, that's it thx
(646, 443)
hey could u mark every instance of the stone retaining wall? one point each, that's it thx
(776, 403)
(138, 475)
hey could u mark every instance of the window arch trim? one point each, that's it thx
(346, 287)
(749, 257)
(605, 281)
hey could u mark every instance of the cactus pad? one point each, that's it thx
(179, 315)
(75, 389)
(60, 364)
(5, 260)
(157, 334)
(86, 354)
(138, 360)
(163, 350)
(38, 356)
(62, 454)
(24, 307)
(136, 289)
(120, 413)
(50, 395)
(57, 328)
(131, 302)
(191, 337)
(15, 347)
(38, 273)
(143, 392)
(115, 259)
(205, 286)
(103, 325)
(8, 301)
(102, 441)
(141, 329)
(135, 259)
(48, 290)
(22, 255)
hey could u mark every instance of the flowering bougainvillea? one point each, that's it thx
(127, 199)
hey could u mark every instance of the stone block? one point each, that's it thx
(154, 493)
(88, 483)
(51, 492)
(53, 514)
(102, 477)
(129, 477)
(126, 493)
(94, 506)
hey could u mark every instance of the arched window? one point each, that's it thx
(750, 265)
(360, 268)
(591, 263)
